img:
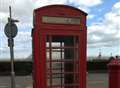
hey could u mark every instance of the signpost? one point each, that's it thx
(11, 31)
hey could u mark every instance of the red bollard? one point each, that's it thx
(114, 73)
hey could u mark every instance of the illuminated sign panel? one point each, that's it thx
(60, 20)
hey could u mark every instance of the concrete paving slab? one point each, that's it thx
(94, 80)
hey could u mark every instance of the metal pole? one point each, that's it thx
(11, 45)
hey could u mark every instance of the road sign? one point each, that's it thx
(10, 30)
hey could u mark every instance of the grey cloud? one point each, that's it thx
(107, 31)
(109, 40)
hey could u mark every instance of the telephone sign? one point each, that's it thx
(60, 20)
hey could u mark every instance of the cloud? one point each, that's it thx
(84, 5)
(22, 39)
(117, 5)
(22, 45)
(91, 16)
(40, 3)
(89, 3)
(3, 16)
(107, 32)
(81, 4)
(23, 11)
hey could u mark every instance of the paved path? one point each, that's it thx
(21, 82)
(97, 81)
(94, 81)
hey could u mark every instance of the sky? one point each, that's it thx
(103, 25)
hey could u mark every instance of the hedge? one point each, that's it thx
(25, 68)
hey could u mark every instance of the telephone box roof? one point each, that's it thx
(60, 5)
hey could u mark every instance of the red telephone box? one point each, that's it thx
(59, 47)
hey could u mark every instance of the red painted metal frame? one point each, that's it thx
(41, 30)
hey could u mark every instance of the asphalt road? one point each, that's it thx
(94, 80)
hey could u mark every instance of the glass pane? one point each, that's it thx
(62, 62)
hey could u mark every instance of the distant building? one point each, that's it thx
(100, 55)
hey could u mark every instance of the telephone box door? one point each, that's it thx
(62, 61)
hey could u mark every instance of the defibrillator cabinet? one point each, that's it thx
(59, 47)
